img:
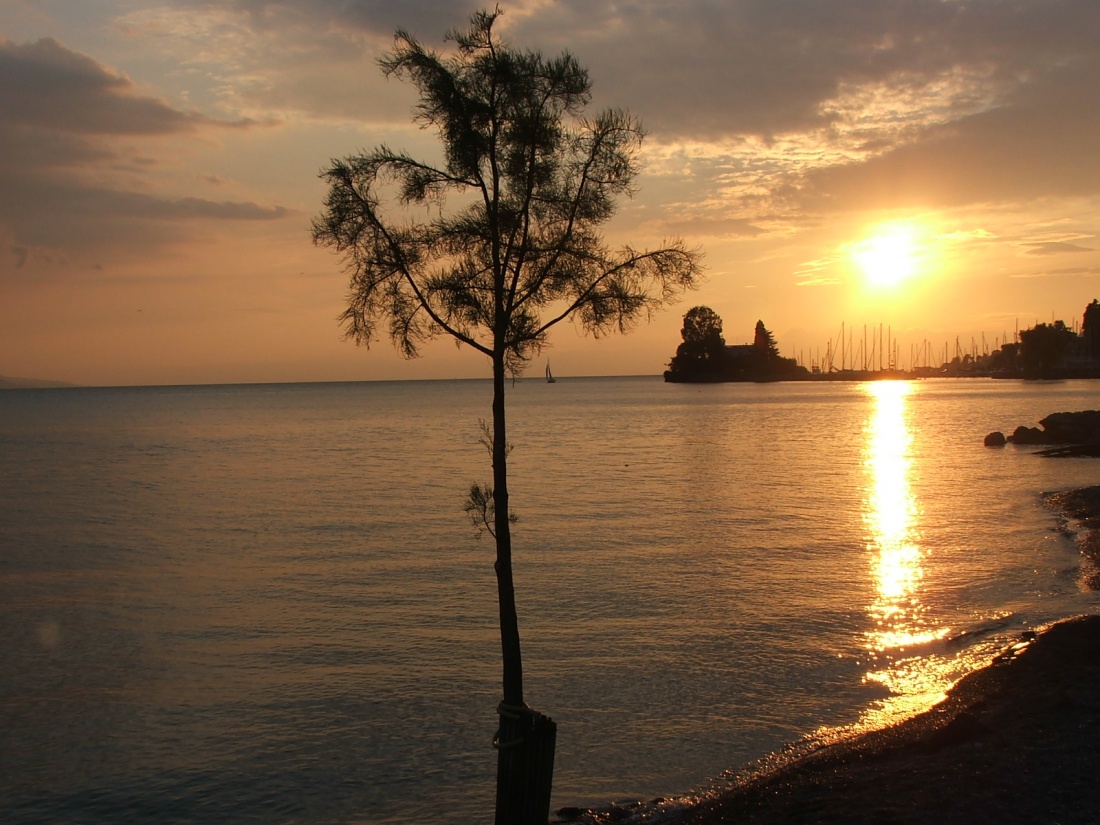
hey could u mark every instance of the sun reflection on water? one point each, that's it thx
(900, 622)
(890, 513)
(910, 655)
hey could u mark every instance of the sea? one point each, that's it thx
(265, 603)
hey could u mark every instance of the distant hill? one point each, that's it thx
(9, 383)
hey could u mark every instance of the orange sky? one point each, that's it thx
(159, 161)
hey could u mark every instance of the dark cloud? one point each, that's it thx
(904, 102)
(136, 205)
(47, 212)
(705, 69)
(45, 85)
(714, 69)
(67, 166)
(424, 19)
(1040, 141)
(965, 101)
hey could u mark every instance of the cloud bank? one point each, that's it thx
(73, 175)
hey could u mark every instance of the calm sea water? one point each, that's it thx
(264, 604)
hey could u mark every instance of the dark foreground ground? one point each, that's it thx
(1016, 742)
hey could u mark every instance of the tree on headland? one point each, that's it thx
(704, 356)
(493, 247)
(702, 351)
(1043, 349)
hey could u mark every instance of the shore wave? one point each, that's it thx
(1081, 509)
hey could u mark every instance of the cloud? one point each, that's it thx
(705, 70)
(787, 110)
(798, 106)
(818, 280)
(1037, 142)
(1074, 272)
(817, 272)
(73, 168)
(813, 107)
(45, 85)
(1054, 248)
(713, 227)
(427, 19)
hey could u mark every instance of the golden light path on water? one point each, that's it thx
(891, 516)
(904, 646)
(901, 630)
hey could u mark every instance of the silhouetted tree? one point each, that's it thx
(494, 247)
(702, 353)
(763, 344)
(1043, 349)
(1004, 361)
(1090, 329)
(766, 362)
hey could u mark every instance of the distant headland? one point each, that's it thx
(704, 356)
(10, 383)
(1045, 352)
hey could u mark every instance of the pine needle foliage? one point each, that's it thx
(529, 179)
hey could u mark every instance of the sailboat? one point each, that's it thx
(550, 379)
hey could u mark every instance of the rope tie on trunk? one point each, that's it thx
(509, 712)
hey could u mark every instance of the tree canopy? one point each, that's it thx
(1043, 349)
(529, 179)
(763, 343)
(1090, 329)
(703, 349)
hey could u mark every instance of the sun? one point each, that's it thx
(888, 257)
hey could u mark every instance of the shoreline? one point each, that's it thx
(1017, 740)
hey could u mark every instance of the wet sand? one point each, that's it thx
(1015, 742)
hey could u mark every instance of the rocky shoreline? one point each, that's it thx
(1017, 741)
(1079, 430)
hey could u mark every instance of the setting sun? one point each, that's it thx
(888, 257)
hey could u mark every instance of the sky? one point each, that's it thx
(928, 167)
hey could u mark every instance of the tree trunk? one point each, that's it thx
(525, 740)
(506, 592)
(512, 732)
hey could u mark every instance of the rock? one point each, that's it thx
(1072, 427)
(1078, 428)
(1027, 435)
(1072, 451)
